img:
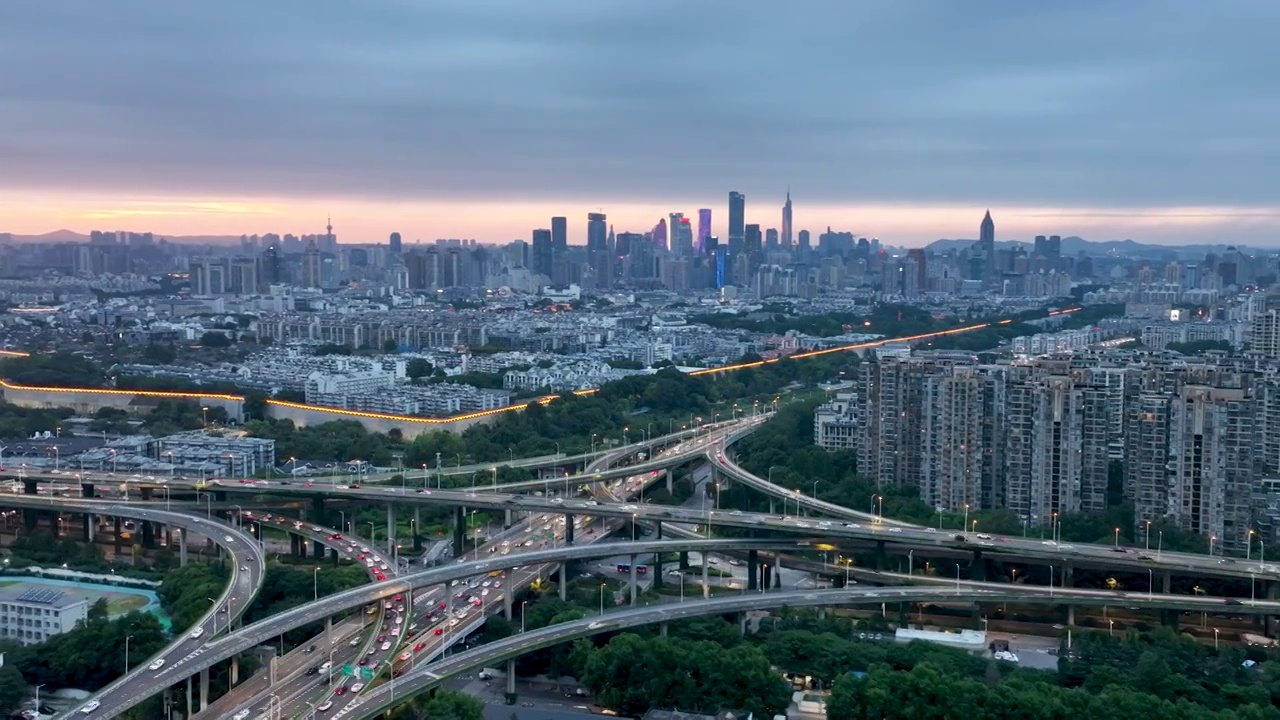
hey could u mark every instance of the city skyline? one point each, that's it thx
(484, 119)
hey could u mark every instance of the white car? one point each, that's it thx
(241, 715)
(195, 634)
(90, 707)
(156, 665)
(357, 687)
(354, 642)
(324, 705)
(228, 538)
(386, 646)
(244, 568)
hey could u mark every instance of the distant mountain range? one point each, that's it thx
(1074, 245)
(61, 236)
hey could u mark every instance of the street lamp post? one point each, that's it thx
(602, 587)
(522, 605)
(126, 653)
(315, 582)
(1117, 537)
(1248, 547)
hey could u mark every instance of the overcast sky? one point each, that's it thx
(1150, 119)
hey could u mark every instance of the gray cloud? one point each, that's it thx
(1091, 102)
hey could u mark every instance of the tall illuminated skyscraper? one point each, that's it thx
(737, 220)
(704, 229)
(787, 239)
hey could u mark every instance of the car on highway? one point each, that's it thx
(244, 568)
(156, 665)
(440, 631)
(324, 706)
(419, 646)
(90, 706)
(228, 538)
(386, 646)
(241, 715)
(195, 634)
(357, 687)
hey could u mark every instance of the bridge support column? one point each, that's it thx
(89, 522)
(1068, 576)
(977, 567)
(822, 612)
(317, 550)
(506, 605)
(391, 529)
(87, 490)
(568, 529)
(333, 556)
(657, 570)
(511, 682)
(753, 569)
(1166, 582)
(55, 527)
(220, 496)
(564, 581)
(742, 624)
(190, 708)
(148, 534)
(684, 560)
(459, 531)
(204, 689)
(294, 542)
(116, 538)
(662, 628)
(506, 519)
(182, 547)
(317, 508)
(235, 672)
(881, 556)
(635, 585)
(30, 486)
(658, 526)
(1071, 615)
(417, 528)
(706, 588)
(147, 493)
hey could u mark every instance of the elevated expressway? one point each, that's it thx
(384, 696)
(246, 577)
(220, 649)
(450, 616)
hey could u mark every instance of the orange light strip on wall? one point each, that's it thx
(544, 400)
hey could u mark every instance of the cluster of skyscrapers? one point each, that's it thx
(1193, 442)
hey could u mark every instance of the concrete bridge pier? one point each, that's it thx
(147, 493)
(511, 682)
(190, 709)
(506, 605)
(657, 570)
(635, 586)
(87, 490)
(753, 570)
(204, 689)
(30, 486)
(317, 507)
(117, 535)
(317, 550)
(459, 531)
(182, 547)
(978, 567)
(706, 588)
(417, 528)
(564, 581)
(742, 624)
(333, 556)
(89, 523)
(506, 520)
(684, 560)
(881, 556)
(235, 672)
(295, 541)
(568, 529)
(148, 534)
(662, 628)
(391, 529)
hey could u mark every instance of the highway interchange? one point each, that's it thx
(296, 694)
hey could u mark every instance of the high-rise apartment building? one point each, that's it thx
(396, 246)
(543, 252)
(1211, 466)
